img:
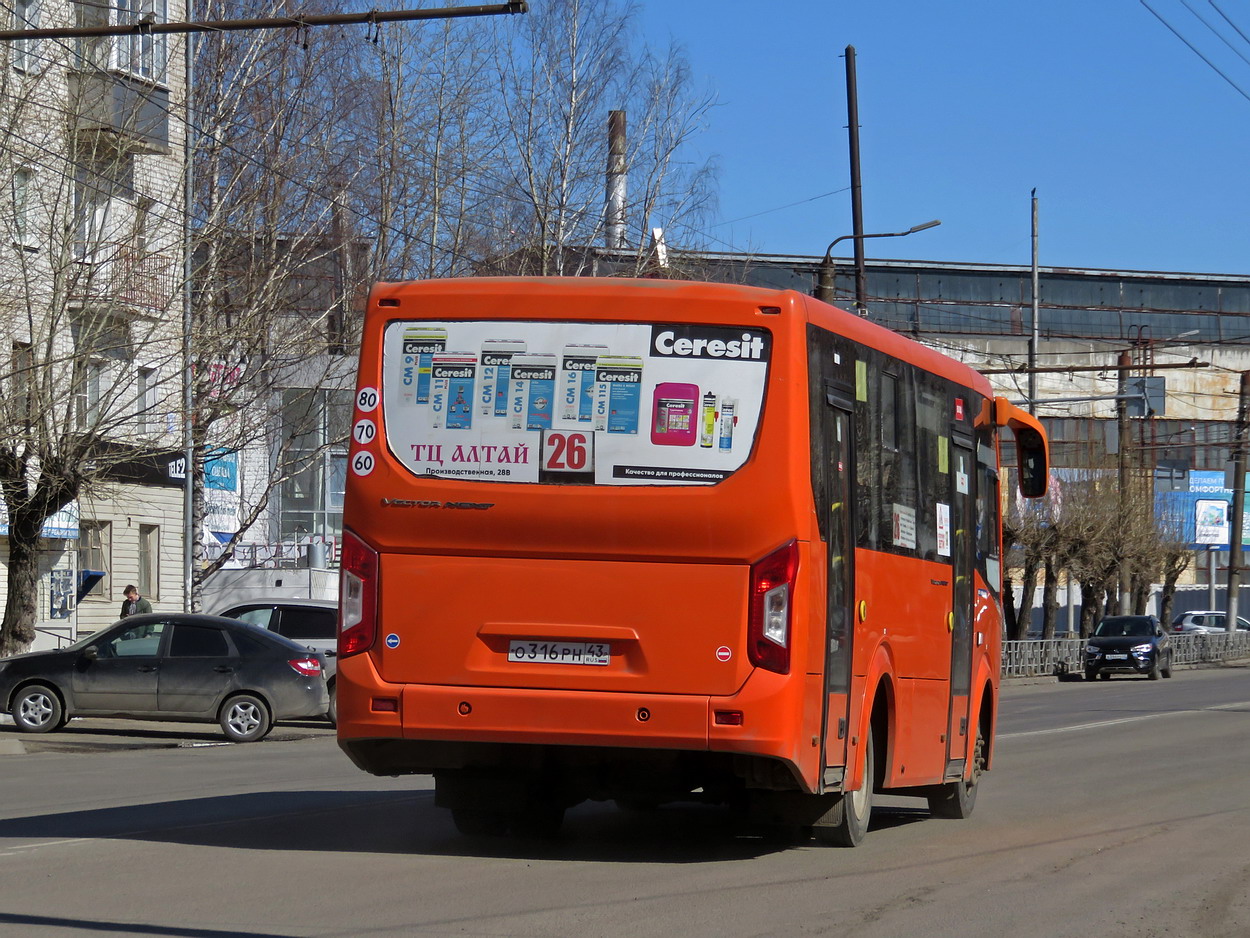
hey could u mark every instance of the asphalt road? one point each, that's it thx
(1116, 808)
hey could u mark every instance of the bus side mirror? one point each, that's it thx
(1031, 458)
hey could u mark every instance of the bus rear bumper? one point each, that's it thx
(398, 729)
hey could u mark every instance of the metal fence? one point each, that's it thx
(1058, 656)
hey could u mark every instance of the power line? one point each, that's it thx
(1192, 48)
(768, 211)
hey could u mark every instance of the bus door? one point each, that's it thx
(963, 558)
(837, 460)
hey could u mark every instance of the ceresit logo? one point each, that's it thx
(709, 342)
(629, 376)
(522, 373)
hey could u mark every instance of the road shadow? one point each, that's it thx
(28, 922)
(105, 734)
(408, 823)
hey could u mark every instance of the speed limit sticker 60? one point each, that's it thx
(362, 463)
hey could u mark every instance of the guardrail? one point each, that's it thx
(1059, 656)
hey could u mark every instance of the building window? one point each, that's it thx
(149, 560)
(140, 233)
(21, 385)
(102, 188)
(92, 380)
(95, 550)
(21, 206)
(146, 402)
(143, 54)
(26, 51)
(317, 421)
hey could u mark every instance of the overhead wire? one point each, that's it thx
(1194, 49)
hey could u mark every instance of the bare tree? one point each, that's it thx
(558, 76)
(84, 295)
(279, 259)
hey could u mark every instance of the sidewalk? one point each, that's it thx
(91, 734)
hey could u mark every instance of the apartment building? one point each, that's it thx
(92, 144)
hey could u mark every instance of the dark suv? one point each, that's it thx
(311, 622)
(1128, 645)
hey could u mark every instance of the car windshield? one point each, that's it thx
(1125, 625)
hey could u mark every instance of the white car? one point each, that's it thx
(1207, 620)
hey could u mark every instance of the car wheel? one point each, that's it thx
(1154, 669)
(245, 719)
(1167, 672)
(851, 814)
(1091, 673)
(1104, 675)
(332, 714)
(37, 709)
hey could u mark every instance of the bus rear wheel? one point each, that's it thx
(847, 821)
(955, 800)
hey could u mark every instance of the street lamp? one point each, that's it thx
(824, 281)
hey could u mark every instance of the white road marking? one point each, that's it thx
(1136, 719)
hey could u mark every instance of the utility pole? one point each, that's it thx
(1121, 416)
(1033, 335)
(857, 200)
(1239, 503)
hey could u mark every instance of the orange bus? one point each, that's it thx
(651, 541)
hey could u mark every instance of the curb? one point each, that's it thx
(12, 747)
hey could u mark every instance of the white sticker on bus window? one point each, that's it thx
(904, 526)
(961, 478)
(943, 529)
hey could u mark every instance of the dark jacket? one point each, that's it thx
(138, 607)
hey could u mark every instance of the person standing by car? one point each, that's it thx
(134, 604)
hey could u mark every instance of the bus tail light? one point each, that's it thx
(768, 624)
(358, 591)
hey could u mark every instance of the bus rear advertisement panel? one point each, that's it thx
(567, 403)
(657, 541)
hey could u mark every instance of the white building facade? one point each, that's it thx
(92, 145)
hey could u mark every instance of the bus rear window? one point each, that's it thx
(573, 403)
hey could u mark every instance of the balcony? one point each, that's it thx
(133, 114)
(119, 275)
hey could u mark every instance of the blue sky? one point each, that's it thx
(1138, 150)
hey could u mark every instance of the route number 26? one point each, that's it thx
(568, 452)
